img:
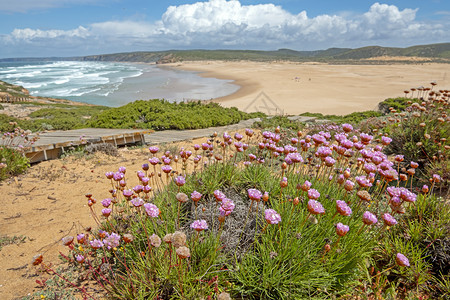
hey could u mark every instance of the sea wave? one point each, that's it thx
(111, 83)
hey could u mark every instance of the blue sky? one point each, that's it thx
(36, 28)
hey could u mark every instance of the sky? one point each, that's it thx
(44, 28)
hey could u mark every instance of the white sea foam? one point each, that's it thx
(113, 84)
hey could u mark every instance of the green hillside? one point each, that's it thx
(436, 51)
(431, 51)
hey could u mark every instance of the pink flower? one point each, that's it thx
(106, 212)
(341, 229)
(79, 258)
(369, 218)
(318, 139)
(153, 149)
(306, 186)
(329, 161)
(365, 138)
(219, 195)
(112, 240)
(363, 181)
(254, 194)
(315, 207)
(118, 176)
(153, 161)
(199, 225)
(81, 238)
(96, 244)
(389, 220)
(228, 205)
(402, 260)
(106, 202)
(385, 140)
(152, 210)
(140, 174)
(414, 165)
(138, 188)
(166, 169)
(399, 158)
(436, 178)
(180, 180)
(127, 193)
(348, 186)
(196, 196)
(313, 194)
(347, 127)
(137, 202)
(342, 208)
(271, 216)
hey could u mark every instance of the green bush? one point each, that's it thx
(420, 134)
(13, 162)
(399, 104)
(352, 118)
(59, 117)
(273, 122)
(161, 115)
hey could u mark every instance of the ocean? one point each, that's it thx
(110, 83)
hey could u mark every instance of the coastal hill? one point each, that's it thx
(434, 52)
(370, 54)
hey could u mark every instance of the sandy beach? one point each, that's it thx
(294, 88)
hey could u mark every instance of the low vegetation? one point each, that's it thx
(12, 90)
(151, 114)
(161, 115)
(13, 144)
(353, 118)
(283, 211)
(274, 214)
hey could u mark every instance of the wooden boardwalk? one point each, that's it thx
(51, 145)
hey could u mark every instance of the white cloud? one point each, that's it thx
(22, 6)
(28, 34)
(229, 24)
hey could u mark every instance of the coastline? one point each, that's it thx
(315, 87)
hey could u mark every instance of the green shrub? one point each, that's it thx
(399, 104)
(423, 234)
(13, 162)
(161, 115)
(420, 134)
(281, 121)
(352, 118)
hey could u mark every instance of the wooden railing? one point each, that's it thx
(9, 99)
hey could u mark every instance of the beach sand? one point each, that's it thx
(295, 88)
